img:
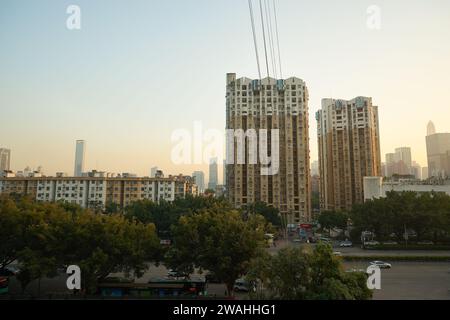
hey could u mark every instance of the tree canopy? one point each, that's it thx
(302, 273)
(221, 242)
(427, 213)
(43, 237)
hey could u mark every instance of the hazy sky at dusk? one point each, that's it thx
(137, 70)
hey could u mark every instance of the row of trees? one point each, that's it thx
(166, 214)
(427, 214)
(45, 237)
(206, 233)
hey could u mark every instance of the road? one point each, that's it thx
(357, 251)
(406, 280)
(412, 281)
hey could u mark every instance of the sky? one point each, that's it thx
(137, 71)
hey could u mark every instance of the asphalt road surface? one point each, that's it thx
(411, 280)
(405, 281)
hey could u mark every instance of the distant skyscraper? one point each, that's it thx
(383, 169)
(153, 172)
(390, 164)
(431, 129)
(424, 173)
(349, 150)
(5, 159)
(199, 177)
(416, 170)
(438, 153)
(213, 173)
(315, 168)
(403, 160)
(79, 158)
(279, 106)
(224, 180)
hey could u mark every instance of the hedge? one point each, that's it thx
(398, 258)
(409, 247)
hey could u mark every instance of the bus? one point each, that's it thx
(162, 288)
(4, 285)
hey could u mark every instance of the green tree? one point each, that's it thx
(45, 236)
(302, 273)
(223, 243)
(270, 213)
(18, 218)
(101, 244)
(165, 214)
(333, 219)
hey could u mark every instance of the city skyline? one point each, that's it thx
(58, 107)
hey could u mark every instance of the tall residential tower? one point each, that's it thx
(278, 107)
(349, 150)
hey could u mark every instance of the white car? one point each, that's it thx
(242, 285)
(346, 244)
(381, 264)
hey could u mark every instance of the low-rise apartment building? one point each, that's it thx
(96, 191)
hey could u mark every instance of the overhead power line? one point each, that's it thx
(254, 36)
(264, 37)
(278, 39)
(271, 38)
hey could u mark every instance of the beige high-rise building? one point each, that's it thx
(438, 152)
(280, 108)
(349, 150)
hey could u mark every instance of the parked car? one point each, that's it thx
(176, 274)
(390, 242)
(372, 243)
(242, 285)
(346, 244)
(325, 239)
(9, 271)
(381, 264)
(426, 242)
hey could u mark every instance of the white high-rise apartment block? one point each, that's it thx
(5, 159)
(79, 158)
(199, 177)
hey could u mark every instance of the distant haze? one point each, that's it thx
(137, 70)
